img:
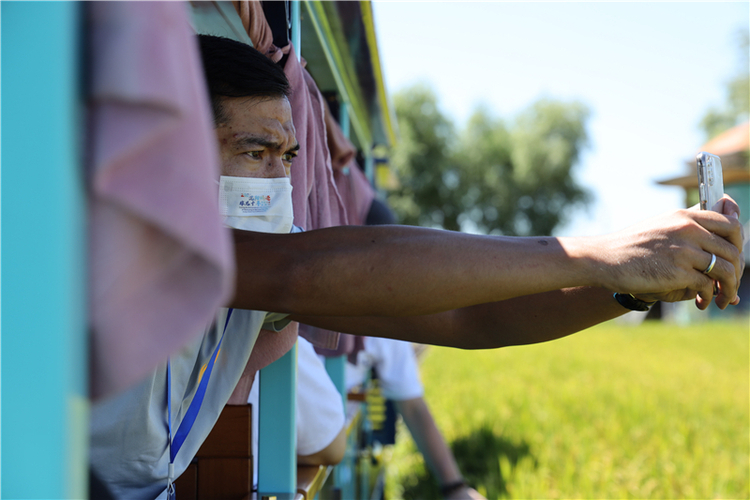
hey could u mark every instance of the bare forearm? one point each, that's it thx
(404, 271)
(429, 440)
(330, 455)
(538, 318)
(519, 321)
(393, 271)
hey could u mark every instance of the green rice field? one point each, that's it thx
(618, 411)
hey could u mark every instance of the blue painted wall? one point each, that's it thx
(44, 403)
(277, 422)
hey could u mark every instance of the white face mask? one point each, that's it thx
(256, 204)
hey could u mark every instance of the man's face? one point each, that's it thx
(257, 138)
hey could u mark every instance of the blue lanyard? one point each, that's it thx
(192, 412)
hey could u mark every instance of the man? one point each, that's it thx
(145, 437)
(409, 283)
(418, 280)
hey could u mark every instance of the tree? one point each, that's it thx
(422, 160)
(736, 109)
(493, 178)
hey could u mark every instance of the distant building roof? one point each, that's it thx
(733, 147)
(734, 140)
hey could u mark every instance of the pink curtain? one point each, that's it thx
(160, 261)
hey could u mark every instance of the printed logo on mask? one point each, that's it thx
(254, 200)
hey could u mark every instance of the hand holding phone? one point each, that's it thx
(710, 180)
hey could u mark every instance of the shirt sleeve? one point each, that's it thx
(396, 366)
(276, 321)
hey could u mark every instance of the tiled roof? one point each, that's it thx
(734, 140)
(732, 146)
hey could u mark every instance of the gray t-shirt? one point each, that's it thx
(129, 434)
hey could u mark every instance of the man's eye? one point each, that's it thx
(256, 155)
(289, 157)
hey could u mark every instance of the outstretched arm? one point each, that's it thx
(518, 321)
(405, 271)
(433, 447)
(534, 318)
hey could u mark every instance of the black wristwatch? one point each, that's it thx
(628, 301)
(449, 488)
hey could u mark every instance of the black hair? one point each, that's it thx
(235, 69)
(380, 213)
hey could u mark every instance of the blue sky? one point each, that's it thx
(647, 71)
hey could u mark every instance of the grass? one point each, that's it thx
(655, 411)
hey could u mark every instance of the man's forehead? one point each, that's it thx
(254, 117)
(263, 125)
(277, 108)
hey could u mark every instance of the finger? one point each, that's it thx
(724, 251)
(727, 206)
(704, 298)
(703, 287)
(701, 302)
(732, 302)
(711, 264)
(728, 228)
(724, 273)
(708, 268)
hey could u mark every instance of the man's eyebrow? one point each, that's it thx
(256, 141)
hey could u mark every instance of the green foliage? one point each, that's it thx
(493, 178)
(656, 411)
(523, 176)
(422, 161)
(736, 109)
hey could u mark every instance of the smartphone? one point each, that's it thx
(710, 179)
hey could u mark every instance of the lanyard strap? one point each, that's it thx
(192, 412)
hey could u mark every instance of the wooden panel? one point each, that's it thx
(186, 486)
(225, 478)
(232, 435)
(357, 396)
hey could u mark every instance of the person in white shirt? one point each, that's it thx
(321, 435)
(396, 366)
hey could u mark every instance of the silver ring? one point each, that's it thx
(711, 265)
